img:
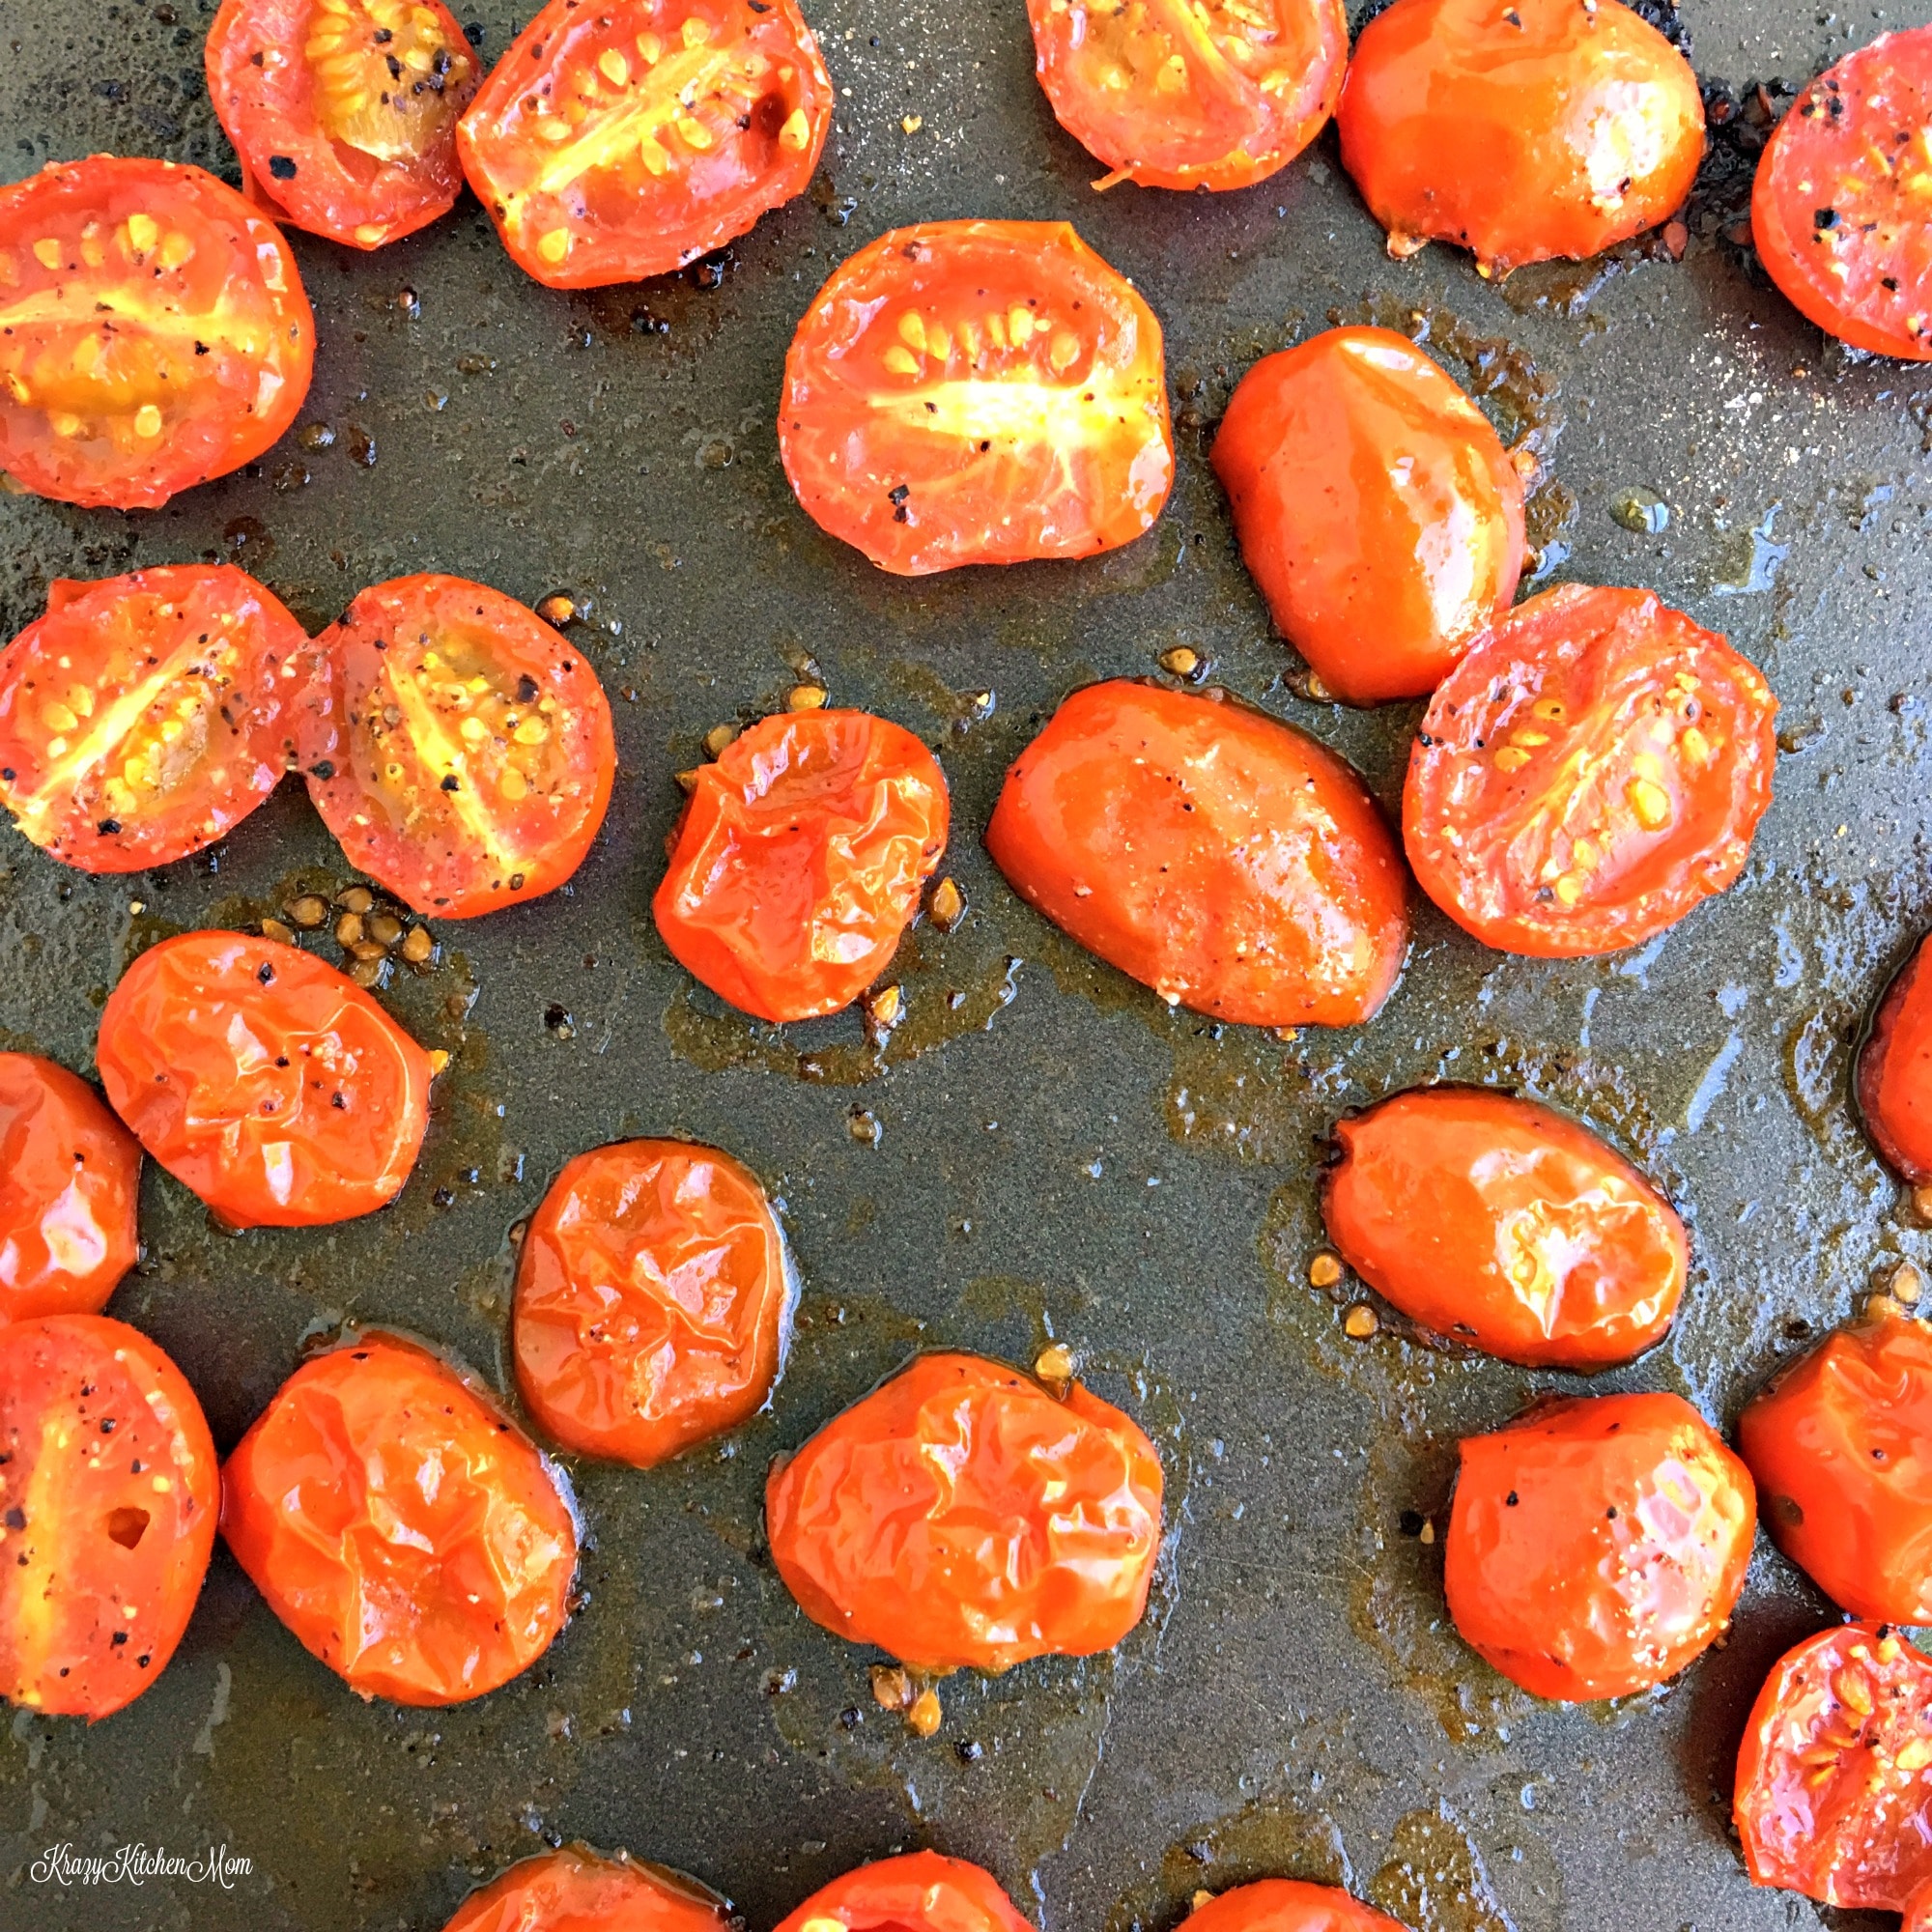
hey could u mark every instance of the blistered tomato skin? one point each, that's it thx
(577, 1889)
(920, 1891)
(1378, 513)
(1496, 1222)
(1287, 1905)
(1893, 1078)
(1210, 852)
(961, 1517)
(1597, 1545)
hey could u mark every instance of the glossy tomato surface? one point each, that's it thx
(108, 1497)
(403, 1528)
(798, 863)
(960, 1516)
(153, 332)
(1210, 852)
(1597, 1545)
(1544, 128)
(1595, 767)
(1287, 1905)
(576, 1889)
(920, 1891)
(615, 142)
(1893, 1082)
(977, 393)
(263, 1079)
(459, 747)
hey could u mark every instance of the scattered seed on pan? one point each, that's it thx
(1054, 1364)
(864, 1126)
(358, 899)
(925, 1716)
(806, 697)
(273, 929)
(1324, 1270)
(718, 737)
(348, 929)
(557, 609)
(892, 1688)
(1180, 660)
(947, 904)
(384, 928)
(417, 946)
(1360, 1323)
(307, 912)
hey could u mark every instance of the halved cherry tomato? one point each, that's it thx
(143, 717)
(1893, 1078)
(264, 1079)
(1377, 511)
(1210, 852)
(576, 1889)
(621, 141)
(397, 1521)
(1593, 768)
(1171, 95)
(1287, 1905)
(153, 332)
(920, 1891)
(460, 750)
(1597, 1545)
(108, 1495)
(977, 393)
(653, 1300)
(960, 1516)
(343, 112)
(1498, 1222)
(798, 863)
(1522, 131)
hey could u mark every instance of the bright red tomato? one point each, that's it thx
(408, 1535)
(264, 1079)
(1597, 1545)
(1287, 1905)
(961, 1517)
(798, 863)
(153, 332)
(576, 1889)
(109, 1493)
(1210, 852)
(920, 1891)
(1593, 768)
(621, 141)
(1893, 1078)
(977, 393)
(460, 750)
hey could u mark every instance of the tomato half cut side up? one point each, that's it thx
(1287, 1905)
(1892, 1082)
(577, 1889)
(918, 1891)
(611, 143)
(977, 393)
(153, 332)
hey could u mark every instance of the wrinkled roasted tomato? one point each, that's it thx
(1287, 1905)
(920, 1891)
(1378, 513)
(1210, 852)
(611, 143)
(263, 1079)
(576, 1889)
(1499, 1223)
(1893, 1078)
(1524, 130)
(977, 393)
(408, 1534)
(960, 1516)
(1597, 1545)
(153, 332)
(799, 860)
(1593, 768)
(109, 1491)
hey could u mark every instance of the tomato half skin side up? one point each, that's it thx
(1287, 1905)
(119, 411)
(109, 1491)
(1893, 1082)
(977, 393)
(577, 1889)
(920, 1892)
(1210, 851)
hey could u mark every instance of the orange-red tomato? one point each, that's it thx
(403, 1528)
(1593, 768)
(264, 1079)
(1525, 130)
(576, 1889)
(1287, 1905)
(799, 859)
(1377, 511)
(1893, 1078)
(920, 1891)
(977, 393)
(153, 332)
(614, 142)
(108, 1495)
(1210, 852)
(1597, 1545)
(960, 1516)
(653, 1300)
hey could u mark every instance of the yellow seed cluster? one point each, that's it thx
(495, 743)
(366, 101)
(927, 346)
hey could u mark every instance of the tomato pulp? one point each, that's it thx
(920, 1891)
(576, 1889)
(1893, 1082)
(1287, 1905)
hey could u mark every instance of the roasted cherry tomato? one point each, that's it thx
(1593, 768)
(961, 1516)
(1893, 1078)
(576, 1889)
(920, 1891)
(153, 332)
(1287, 1905)
(109, 1491)
(264, 1079)
(799, 860)
(344, 111)
(1521, 131)
(621, 141)
(403, 1528)
(1377, 511)
(977, 393)
(460, 750)
(1209, 851)
(653, 1298)
(143, 717)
